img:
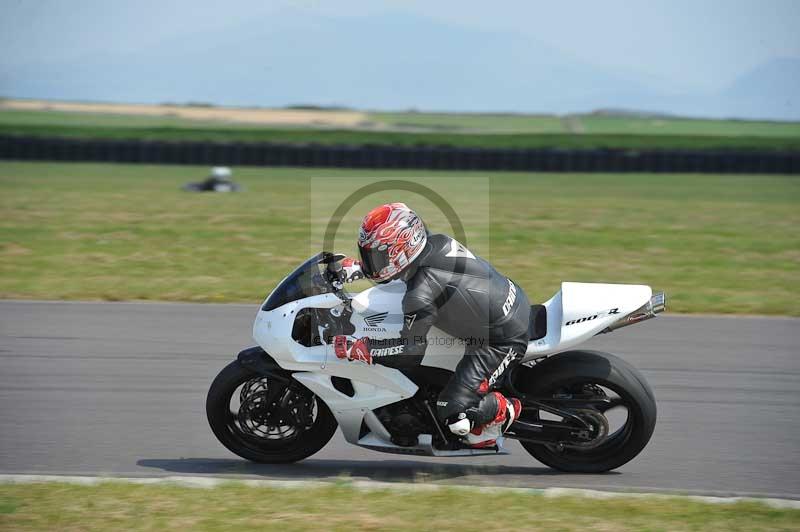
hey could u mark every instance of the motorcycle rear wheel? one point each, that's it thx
(573, 369)
(274, 424)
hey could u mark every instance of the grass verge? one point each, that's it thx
(230, 133)
(475, 130)
(120, 506)
(715, 244)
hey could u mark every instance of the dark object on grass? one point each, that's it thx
(218, 181)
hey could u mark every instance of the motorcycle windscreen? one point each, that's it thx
(307, 280)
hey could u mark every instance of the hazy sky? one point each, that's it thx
(676, 45)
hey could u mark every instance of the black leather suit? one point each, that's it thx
(463, 295)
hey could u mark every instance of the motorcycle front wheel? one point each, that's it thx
(267, 420)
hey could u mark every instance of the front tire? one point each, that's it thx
(298, 426)
(577, 369)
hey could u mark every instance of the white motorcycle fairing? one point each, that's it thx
(582, 310)
(574, 314)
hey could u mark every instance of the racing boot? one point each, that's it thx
(508, 411)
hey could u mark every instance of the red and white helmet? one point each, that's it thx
(391, 237)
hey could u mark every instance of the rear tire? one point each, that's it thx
(576, 367)
(224, 424)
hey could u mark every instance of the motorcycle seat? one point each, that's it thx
(537, 326)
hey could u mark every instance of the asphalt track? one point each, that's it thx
(119, 389)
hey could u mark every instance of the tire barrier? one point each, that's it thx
(208, 153)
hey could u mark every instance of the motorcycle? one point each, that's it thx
(281, 401)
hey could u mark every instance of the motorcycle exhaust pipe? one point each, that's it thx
(656, 305)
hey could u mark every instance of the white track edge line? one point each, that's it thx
(210, 482)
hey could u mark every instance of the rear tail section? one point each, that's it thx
(656, 305)
(582, 310)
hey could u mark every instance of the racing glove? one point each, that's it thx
(352, 350)
(351, 270)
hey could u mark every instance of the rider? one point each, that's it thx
(461, 294)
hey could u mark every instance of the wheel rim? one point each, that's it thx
(267, 415)
(621, 423)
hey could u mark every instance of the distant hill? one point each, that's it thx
(630, 113)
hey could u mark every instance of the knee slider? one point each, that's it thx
(460, 427)
(454, 416)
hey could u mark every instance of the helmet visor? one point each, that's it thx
(373, 261)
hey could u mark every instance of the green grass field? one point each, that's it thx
(118, 506)
(590, 124)
(473, 122)
(19, 118)
(466, 130)
(470, 122)
(689, 127)
(719, 244)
